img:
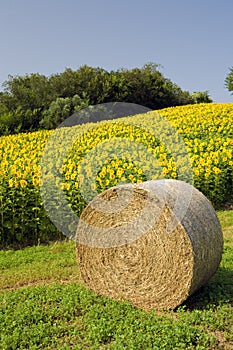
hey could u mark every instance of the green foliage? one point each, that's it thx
(18, 121)
(229, 80)
(24, 99)
(23, 218)
(45, 101)
(32, 91)
(61, 109)
(148, 87)
(59, 316)
(53, 263)
(201, 97)
(66, 315)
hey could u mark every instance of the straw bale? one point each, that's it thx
(153, 244)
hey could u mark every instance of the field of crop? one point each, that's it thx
(43, 302)
(104, 154)
(44, 305)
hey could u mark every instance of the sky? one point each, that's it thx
(190, 39)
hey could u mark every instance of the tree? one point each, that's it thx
(229, 80)
(31, 91)
(33, 101)
(61, 109)
(16, 121)
(65, 84)
(147, 86)
(201, 97)
(25, 97)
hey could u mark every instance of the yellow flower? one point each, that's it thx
(119, 172)
(73, 176)
(23, 183)
(205, 128)
(80, 179)
(217, 170)
(11, 183)
(93, 186)
(35, 181)
(89, 171)
(102, 173)
(65, 186)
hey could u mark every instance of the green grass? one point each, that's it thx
(43, 305)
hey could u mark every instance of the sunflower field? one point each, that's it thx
(192, 143)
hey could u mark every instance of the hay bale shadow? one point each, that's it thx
(219, 290)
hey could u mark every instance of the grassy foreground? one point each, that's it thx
(43, 305)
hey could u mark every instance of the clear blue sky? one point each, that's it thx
(191, 39)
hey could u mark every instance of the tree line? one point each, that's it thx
(229, 80)
(34, 101)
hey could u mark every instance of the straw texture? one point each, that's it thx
(153, 244)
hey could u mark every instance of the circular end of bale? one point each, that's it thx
(155, 249)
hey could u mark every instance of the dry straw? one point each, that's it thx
(153, 244)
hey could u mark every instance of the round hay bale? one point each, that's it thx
(153, 243)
